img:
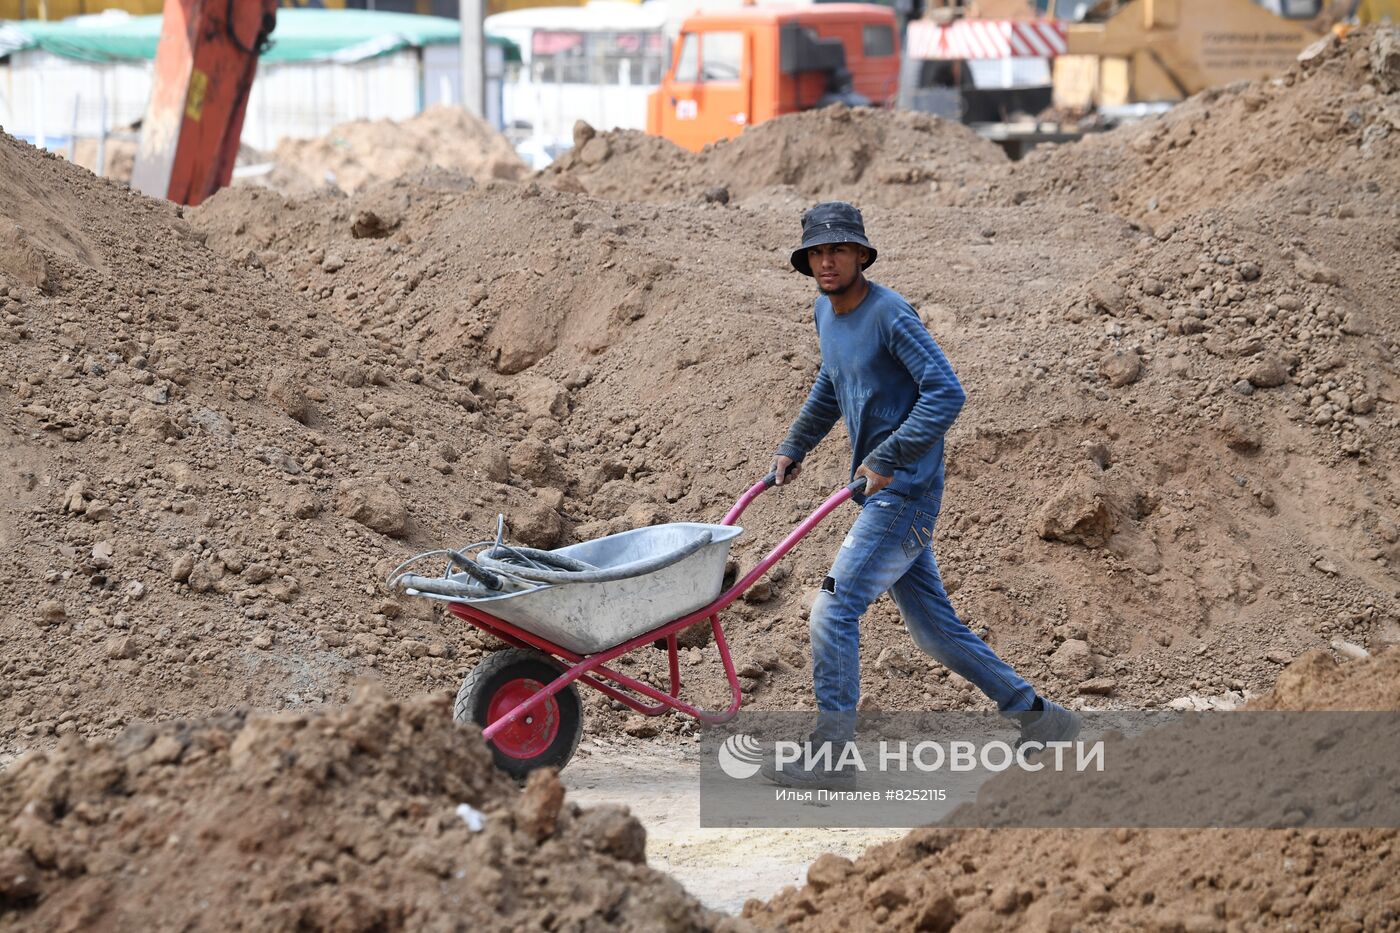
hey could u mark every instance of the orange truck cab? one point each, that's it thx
(734, 68)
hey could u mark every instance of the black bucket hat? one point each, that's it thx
(831, 222)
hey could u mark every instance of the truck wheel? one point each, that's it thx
(547, 736)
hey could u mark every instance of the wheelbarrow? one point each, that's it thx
(568, 613)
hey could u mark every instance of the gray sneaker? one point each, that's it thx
(794, 774)
(1053, 724)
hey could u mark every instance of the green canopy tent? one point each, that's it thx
(301, 36)
(77, 78)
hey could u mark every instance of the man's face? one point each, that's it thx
(836, 266)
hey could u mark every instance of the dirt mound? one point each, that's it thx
(119, 157)
(624, 165)
(379, 815)
(1317, 681)
(1178, 457)
(873, 157)
(355, 154)
(1330, 115)
(1215, 400)
(39, 219)
(1169, 379)
(1177, 470)
(943, 879)
(207, 477)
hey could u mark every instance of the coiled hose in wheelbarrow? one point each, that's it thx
(501, 567)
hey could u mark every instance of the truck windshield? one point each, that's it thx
(688, 65)
(710, 56)
(722, 56)
(877, 40)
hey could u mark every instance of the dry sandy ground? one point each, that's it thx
(722, 868)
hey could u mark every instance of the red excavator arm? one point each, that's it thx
(205, 63)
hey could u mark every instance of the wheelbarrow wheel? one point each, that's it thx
(548, 736)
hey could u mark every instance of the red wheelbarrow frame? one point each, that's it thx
(592, 669)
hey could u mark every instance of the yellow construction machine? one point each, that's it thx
(1167, 50)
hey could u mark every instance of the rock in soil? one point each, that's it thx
(374, 504)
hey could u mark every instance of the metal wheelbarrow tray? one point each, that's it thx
(525, 699)
(589, 617)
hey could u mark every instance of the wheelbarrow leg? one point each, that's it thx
(736, 693)
(673, 647)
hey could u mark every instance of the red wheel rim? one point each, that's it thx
(532, 733)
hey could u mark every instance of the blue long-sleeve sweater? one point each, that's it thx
(883, 372)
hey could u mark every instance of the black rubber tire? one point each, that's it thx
(500, 668)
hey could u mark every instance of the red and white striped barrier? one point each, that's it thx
(986, 38)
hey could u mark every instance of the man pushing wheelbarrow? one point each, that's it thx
(884, 374)
(567, 614)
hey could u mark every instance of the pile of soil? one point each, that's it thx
(357, 153)
(207, 478)
(1333, 117)
(1317, 682)
(119, 158)
(1056, 879)
(378, 815)
(1174, 474)
(1176, 471)
(871, 156)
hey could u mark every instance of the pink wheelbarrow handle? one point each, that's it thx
(585, 667)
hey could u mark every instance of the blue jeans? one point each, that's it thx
(890, 547)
